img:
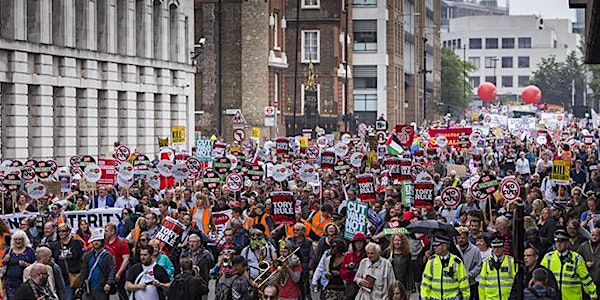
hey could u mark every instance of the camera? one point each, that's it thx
(352, 266)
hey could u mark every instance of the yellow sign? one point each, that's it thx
(561, 171)
(235, 149)
(303, 141)
(255, 133)
(371, 157)
(178, 134)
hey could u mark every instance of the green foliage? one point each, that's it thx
(595, 83)
(554, 78)
(456, 91)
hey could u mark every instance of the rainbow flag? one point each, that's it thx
(416, 144)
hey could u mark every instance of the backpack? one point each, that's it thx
(549, 295)
(224, 290)
(180, 287)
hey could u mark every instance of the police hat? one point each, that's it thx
(440, 239)
(561, 235)
(497, 241)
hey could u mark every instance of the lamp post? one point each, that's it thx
(495, 62)
(425, 71)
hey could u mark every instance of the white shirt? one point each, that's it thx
(522, 166)
(123, 202)
(150, 292)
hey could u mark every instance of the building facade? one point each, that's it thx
(457, 9)
(508, 53)
(77, 76)
(317, 38)
(239, 64)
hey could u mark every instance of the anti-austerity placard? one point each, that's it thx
(356, 221)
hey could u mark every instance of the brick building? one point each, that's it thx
(78, 75)
(240, 63)
(319, 30)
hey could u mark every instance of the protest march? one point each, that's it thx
(495, 207)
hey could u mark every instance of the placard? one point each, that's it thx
(356, 219)
(255, 173)
(488, 184)
(405, 134)
(366, 188)
(450, 197)
(341, 167)
(561, 171)
(282, 146)
(451, 134)
(394, 168)
(327, 160)
(109, 172)
(169, 233)
(203, 149)
(408, 193)
(222, 165)
(211, 179)
(283, 208)
(510, 189)
(423, 195)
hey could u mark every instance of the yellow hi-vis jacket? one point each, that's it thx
(496, 283)
(571, 275)
(451, 282)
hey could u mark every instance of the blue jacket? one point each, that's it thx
(110, 202)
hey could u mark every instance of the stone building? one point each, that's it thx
(321, 41)
(240, 65)
(78, 75)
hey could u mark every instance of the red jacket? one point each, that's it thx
(351, 257)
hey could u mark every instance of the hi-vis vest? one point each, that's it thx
(263, 220)
(206, 218)
(316, 225)
(497, 283)
(571, 274)
(451, 282)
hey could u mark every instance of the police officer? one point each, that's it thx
(497, 273)
(569, 269)
(445, 276)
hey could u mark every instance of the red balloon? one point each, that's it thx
(486, 91)
(531, 94)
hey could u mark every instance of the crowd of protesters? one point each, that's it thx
(255, 258)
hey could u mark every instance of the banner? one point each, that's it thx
(561, 171)
(356, 219)
(366, 188)
(405, 134)
(283, 208)
(452, 136)
(97, 217)
(169, 233)
(221, 218)
(109, 172)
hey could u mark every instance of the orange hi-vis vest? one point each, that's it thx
(289, 230)
(248, 223)
(206, 218)
(316, 225)
(263, 220)
(3, 247)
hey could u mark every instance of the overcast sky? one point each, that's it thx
(549, 9)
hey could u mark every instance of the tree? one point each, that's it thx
(456, 91)
(555, 80)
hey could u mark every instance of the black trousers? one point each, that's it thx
(474, 291)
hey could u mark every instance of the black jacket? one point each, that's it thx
(107, 268)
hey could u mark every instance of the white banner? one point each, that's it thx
(96, 218)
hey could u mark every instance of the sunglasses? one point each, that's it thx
(144, 240)
(256, 236)
(63, 230)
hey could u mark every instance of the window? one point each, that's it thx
(523, 61)
(507, 62)
(365, 77)
(365, 2)
(311, 4)
(275, 88)
(523, 80)
(476, 61)
(490, 62)
(474, 81)
(507, 81)
(276, 31)
(508, 43)
(491, 43)
(524, 42)
(365, 102)
(491, 79)
(474, 43)
(310, 46)
(365, 35)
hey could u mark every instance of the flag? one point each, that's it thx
(394, 145)
(415, 144)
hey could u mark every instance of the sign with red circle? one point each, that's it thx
(194, 165)
(510, 189)
(297, 165)
(477, 193)
(451, 197)
(313, 152)
(234, 182)
(122, 153)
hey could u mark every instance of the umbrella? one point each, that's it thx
(431, 226)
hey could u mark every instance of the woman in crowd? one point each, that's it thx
(331, 231)
(546, 224)
(24, 204)
(399, 255)
(84, 232)
(335, 288)
(16, 259)
(161, 259)
(397, 291)
(351, 261)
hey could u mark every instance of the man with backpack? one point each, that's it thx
(187, 284)
(538, 288)
(233, 285)
(120, 250)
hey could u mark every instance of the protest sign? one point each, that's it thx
(451, 134)
(356, 219)
(109, 172)
(87, 186)
(283, 208)
(203, 149)
(423, 197)
(255, 172)
(327, 160)
(52, 187)
(170, 231)
(366, 188)
(96, 218)
(221, 218)
(408, 193)
(561, 171)
(65, 182)
(211, 179)
(405, 134)
(222, 164)
(488, 184)
(450, 197)
(341, 167)
(282, 146)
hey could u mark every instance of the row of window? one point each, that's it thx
(506, 62)
(315, 4)
(505, 43)
(506, 81)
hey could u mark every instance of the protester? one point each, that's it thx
(68, 253)
(44, 257)
(18, 257)
(374, 274)
(97, 274)
(147, 279)
(36, 287)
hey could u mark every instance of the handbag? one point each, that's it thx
(74, 279)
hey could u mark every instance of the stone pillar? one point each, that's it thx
(130, 46)
(14, 16)
(87, 122)
(162, 115)
(127, 119)
(145, 122)
(39, 24)
(65, 124)
(41, 122)
(63, 23)
(15, 121)
(107, 119)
